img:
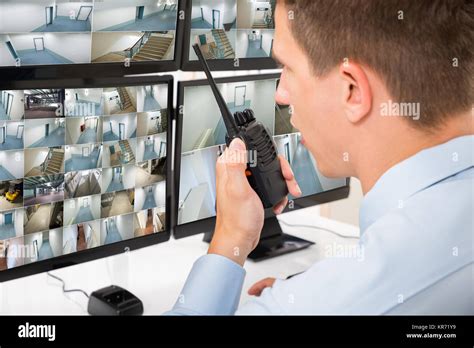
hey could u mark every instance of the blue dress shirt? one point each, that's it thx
(416, 245)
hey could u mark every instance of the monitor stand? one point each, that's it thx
(273, 242)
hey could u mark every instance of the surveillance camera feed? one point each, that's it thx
(80, 169)
(45, 32)
(230, 29)
(203, 140)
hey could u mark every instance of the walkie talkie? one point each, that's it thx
(265, 177)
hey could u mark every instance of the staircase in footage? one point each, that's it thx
(154, 48)
(53, 165)
(225, 50)
(127, 152)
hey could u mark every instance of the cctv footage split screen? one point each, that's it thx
(49, 32)
(80, 168)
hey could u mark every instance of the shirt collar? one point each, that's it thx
(414, 174)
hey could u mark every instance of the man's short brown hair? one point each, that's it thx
(422, 49)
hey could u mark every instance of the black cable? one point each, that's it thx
(318, 228)
(64, 285)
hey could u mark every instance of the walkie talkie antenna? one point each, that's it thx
(227, 116)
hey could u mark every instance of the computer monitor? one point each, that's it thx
(232, 34)
(83, 170)
(200, 139)
(55, 38)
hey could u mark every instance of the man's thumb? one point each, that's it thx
(237, 145)
(236, 156)
(236, 166)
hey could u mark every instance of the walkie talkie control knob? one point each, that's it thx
(249, 115)
(240, 119)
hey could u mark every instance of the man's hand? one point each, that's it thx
(258, 287)
(240, 212)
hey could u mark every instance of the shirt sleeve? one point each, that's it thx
(213, 287)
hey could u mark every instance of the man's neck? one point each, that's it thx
(410, 141)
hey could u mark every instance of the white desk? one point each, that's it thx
(157, 273)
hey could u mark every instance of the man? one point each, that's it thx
(382, 91)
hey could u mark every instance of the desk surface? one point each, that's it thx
(156, 274)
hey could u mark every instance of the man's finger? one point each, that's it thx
(287, 172)
(234, 158)
(279, 207)
(258, 287)
(286, 168)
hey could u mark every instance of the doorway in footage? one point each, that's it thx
(43, 16)
(254, 43)
(45, 49)
(135, 15)
(82, 157)
(12, 251)
(83, 130)
(118, 178)
(45, 133)
(117, 228)
(119, 127)
(256, 14)
(11, 105)
(84, 102)
(45, 245)
(11, 135)
(11, 224)
(152, 122)
(150, 196)
(149, 221)
(150, 147)
(82, 236)
(81, 209)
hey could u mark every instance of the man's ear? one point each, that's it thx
(357, 93)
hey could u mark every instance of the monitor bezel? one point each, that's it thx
(112, 69)
(118, 247)
(217, 64)
(207, 224)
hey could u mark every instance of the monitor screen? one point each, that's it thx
(232, 34)
(55, 32)
(81, 168)
(201, 139)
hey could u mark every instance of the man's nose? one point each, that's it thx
(282, 97)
